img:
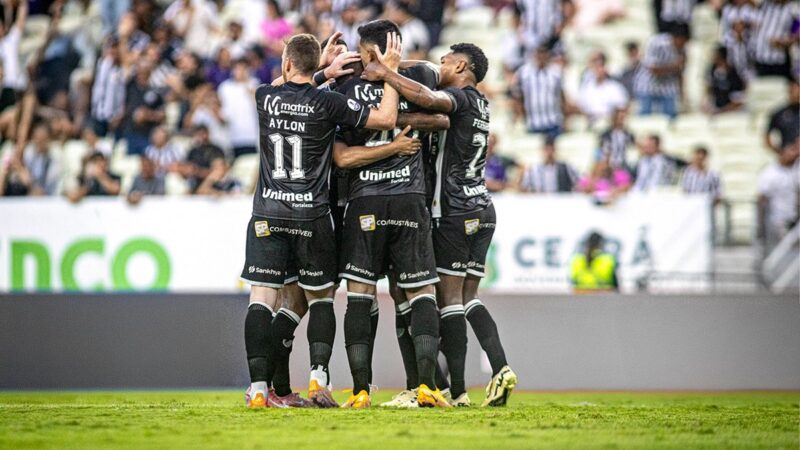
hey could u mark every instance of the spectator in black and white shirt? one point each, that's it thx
(699, 179)
(654, 169)
(772, 37)
(615, 141)
(785, 121)
(740, 53)
(540, 21)
(161, 152)
(108, 91)
(549, 177)
(733, 12)
(725, 87)
(674, 12)
(539, 86)
(658, 83)
(628, 75)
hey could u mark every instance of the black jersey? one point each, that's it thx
(297, 124)
(397, 174)
(460, 186)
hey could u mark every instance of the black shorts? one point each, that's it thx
(390, 231)
(284, 251)
(461, 242)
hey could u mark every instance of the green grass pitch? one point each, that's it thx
(218, 419)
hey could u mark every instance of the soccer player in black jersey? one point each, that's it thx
(290, 236)
(463, 212)
(386, 224)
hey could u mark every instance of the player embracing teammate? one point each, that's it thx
(291, 247)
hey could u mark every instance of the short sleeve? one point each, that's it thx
(344, 111)
(458, 97)
(426, 74)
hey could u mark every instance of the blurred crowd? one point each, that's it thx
(172, 83)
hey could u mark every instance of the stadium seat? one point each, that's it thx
(74, 152)
(642, 125)
(175, 184)
(127, 167)
(245, 169)
(732, 123)
(766, 93)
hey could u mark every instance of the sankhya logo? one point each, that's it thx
(274, 106)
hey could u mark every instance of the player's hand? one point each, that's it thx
(375, 71)
(336, 69)
(331, 50)
(390, 58)
(407, 146)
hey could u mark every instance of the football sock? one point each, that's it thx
(321, 332)
(486, 331)
(356, 339)
(256, 341)
(441, 375)
(406, 343)
(454, 345)
(425, 332)
(283, 326)
(373, 331)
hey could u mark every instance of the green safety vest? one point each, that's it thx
(597, 275)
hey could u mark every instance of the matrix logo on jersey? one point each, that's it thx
(274, 106)
(395, 176)
(471, 226)
(483, 108)
(367, 222)
(262, 229)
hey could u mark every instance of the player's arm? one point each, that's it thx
(353, 157)
(385, 117)
(423, 121)
(413, 91)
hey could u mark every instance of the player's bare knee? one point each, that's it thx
(265, 295)
(449, 290)
(294, 299)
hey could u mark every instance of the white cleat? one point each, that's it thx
(499, 389)
(462, 401)
(405, 399)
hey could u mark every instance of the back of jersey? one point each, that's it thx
(296, 125)
(397, 174)
(460, 186)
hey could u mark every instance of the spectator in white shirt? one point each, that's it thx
(9, 49)
(416, 41)
(549, 177)
(778, 187)
(238, 108)
(653, 170)
(699, 179)
(600, 95)
(195, 21)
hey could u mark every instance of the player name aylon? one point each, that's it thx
(288, 125)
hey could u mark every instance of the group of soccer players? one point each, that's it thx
(406, 199)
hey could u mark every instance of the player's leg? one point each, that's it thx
(411, 254)
(362, 264)
(315, 252)
(257, 340)
(264, 269)
(503, 378)
(293, 308)
(374, 315)
(408, 397)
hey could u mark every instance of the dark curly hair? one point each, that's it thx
(478, 62)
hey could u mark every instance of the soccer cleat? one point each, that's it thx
(405, 399)
(447, 395)
(428, 398)
(462, 401)
(255, 401)
(358, 401)
(320, 396)
(499, 389)
(292, 400)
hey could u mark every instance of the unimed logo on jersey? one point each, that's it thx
(274, 106)
(367, 222)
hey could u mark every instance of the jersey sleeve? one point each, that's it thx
(346, 112)
(425, 73)
(459, 99)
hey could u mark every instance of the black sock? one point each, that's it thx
(406, 343)
(486, 331)
(425, 332)
(373, 331)
(321, 333)
(257, 326)
(283, 326)
(356, 338)
(441, 374)
(454, 345)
